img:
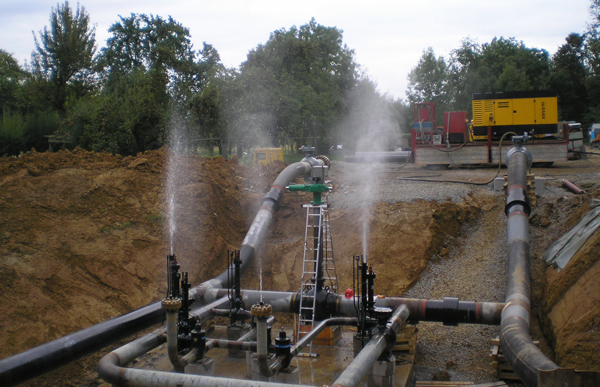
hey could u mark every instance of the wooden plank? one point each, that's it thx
(404, 351)
(404, 370)
(508, 375)
(494, 353)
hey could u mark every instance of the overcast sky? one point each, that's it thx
(388, 36)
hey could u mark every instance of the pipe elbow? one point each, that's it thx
(263, 366)
(110, 370)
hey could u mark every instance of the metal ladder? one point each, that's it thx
(329, 271)
(317, 242)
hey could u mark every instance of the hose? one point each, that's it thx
(469, 182)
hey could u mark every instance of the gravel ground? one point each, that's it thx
(473, 270)
(359, 184)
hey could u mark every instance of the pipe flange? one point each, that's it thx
(520, 149)
(261, 310)
(325, 160)
(171, 304)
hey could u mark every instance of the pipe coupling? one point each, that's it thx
(261, 310)
(520, 149)
(171, 304)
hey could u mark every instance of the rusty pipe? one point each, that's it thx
(572, 186)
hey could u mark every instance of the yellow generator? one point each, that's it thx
(515, 111)
(265, 156)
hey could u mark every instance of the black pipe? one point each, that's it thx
(446, 311)
(522, 355)
(54, 354)
(449, 311)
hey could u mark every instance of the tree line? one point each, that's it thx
(507, 64)
(302, 85)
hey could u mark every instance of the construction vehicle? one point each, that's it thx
(496, 118)
(265, 156)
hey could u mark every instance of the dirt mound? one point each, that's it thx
(570, 300)
(83, 236)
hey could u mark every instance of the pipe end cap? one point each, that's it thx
(261, 310)
(171, 304)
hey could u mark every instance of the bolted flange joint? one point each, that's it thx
(261, 310)
(171, 304)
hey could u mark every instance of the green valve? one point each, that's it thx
(316, 189)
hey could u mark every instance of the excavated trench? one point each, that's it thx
(83, 241)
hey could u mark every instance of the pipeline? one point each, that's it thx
(46, 357)
(363, 362)
(523, 356)
(111, 366)
(449, 311)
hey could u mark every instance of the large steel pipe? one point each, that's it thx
(523, 356)
(262, 220)
(449, 311)
(46, 357)
(363, 362)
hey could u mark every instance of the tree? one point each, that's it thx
(568, 78)
(65, 51)
(313, 70)
(125, 119)
(429, 82)
(592, 61)
(500, 65)
(11, 76)
(152, 45)
(373, 122)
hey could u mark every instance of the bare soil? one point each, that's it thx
(83, 239)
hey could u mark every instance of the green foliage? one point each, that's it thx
(152, 45)
(64, 52)
(373, 122)
(125, 120)
(38, 125)
(158, 218)
(568, 78)
(429, 81)
(592, 60)
(12, 131)
(20, 133)
(11, 76)
(307, 72)
(501, 65)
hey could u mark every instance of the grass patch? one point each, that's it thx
(156, 218)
